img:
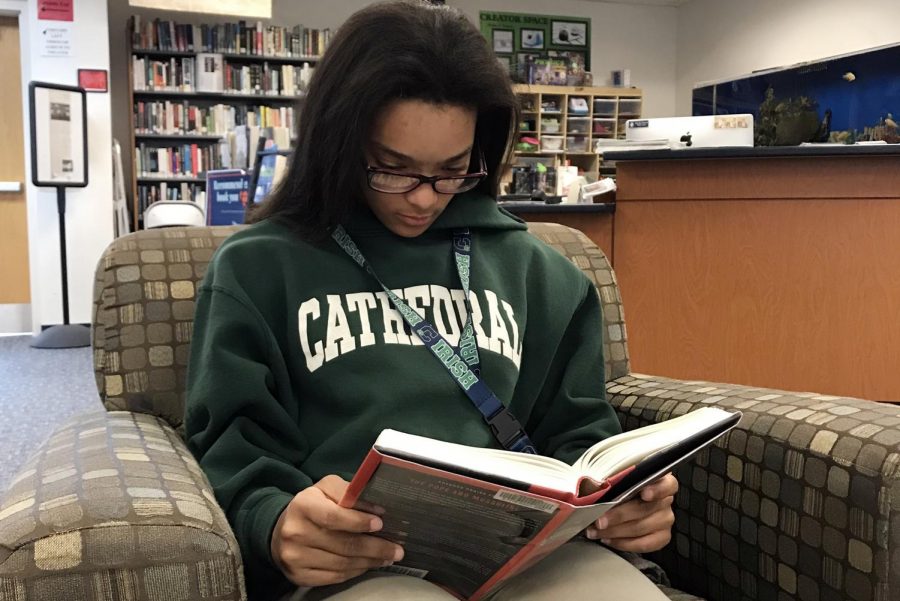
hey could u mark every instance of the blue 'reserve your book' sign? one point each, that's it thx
(226, 196)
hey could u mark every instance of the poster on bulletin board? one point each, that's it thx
(520, 39)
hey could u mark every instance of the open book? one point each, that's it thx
(469, 518)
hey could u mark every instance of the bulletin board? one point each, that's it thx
(515, 36)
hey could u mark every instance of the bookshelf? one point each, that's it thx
(185, 123)
(565, 134)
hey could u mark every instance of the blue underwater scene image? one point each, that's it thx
(845, 99)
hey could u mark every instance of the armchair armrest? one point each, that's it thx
(114, 506)
(801, 500)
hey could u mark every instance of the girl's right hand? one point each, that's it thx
(317, 542)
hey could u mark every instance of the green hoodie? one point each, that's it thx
(298, 361)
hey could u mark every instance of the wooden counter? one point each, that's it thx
(595, 220)
(776, 271)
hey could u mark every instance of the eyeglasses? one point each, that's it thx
(394, 182)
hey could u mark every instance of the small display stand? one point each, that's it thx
(265, 173)
(227, 191)
(59, 159)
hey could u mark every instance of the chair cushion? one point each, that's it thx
(113, 506)
(144, 293)
(582, 251)
(801, 500)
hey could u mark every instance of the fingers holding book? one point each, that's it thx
(642, 524)
(317, 542)
(666, 486)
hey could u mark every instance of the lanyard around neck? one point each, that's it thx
(463, 364)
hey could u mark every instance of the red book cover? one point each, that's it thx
(485, 531)
(194, 164)
(468, 522)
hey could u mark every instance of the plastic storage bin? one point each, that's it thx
(550, 125)
(630, 107)
(578, 106)
(604, 127)
(604, 107)
(578, 126)
(552, 143)
(576, 144)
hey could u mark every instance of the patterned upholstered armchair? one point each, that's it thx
(801, 501)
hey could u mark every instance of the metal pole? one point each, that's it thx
(61, 208)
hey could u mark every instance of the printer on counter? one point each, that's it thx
(693, 132)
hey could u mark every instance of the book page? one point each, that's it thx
(454, 533)
(495, 465)
(623, 450)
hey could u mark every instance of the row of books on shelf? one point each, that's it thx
(168, 117)
(183, 160)
(239, 145)
(174, 75)
(238, 38)
(271, 80)
(212, 73)
(150, 193)
(236, 150)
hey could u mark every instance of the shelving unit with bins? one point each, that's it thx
(565, 135)
(199, 98)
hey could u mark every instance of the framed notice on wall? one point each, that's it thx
(58, 135)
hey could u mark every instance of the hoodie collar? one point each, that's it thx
(473, 210)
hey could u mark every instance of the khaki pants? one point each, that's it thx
(577, 570)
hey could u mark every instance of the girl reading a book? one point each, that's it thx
(307, 342)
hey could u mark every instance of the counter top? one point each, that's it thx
(744, 152)
(541, 207)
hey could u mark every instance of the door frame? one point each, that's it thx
(19, 317)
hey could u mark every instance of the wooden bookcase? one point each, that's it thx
(204, 99)
(547, 116)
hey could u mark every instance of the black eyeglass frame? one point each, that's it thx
(427, 179)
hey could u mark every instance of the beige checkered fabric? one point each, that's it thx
(114, 507)
(800, 501)
(143, 317)
(582, 252)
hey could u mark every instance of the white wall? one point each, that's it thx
(721, 39)
(89, 210)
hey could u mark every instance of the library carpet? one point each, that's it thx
(39, 390)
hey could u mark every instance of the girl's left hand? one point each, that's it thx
(642, 524)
